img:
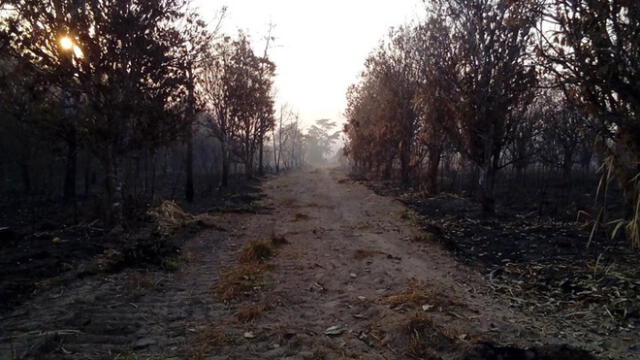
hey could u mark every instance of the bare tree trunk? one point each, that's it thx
(404, 162)
(71, 167)
(87, 174)
(26, 177)
(275, 153)
(486, 190)
(249, 167)
(435, 154)
(225, 167)
(189, 191)
(153, 176)
(567, 164)
(111, 205)
(260, 156)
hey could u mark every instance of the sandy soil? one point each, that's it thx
(355, 279)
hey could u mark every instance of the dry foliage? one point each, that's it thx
(208, 339)
(108, 259)
(426, 339)
(301, 217)
(170, 217)
(416, 328)
(255, 252)
(424, 237)
(136, 284)
(249, 312)
(417, 294)
(278, 240)
(240, 280)
(366, 253)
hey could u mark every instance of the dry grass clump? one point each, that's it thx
(209, 339)
(278, 240)
(318, 206)
(416, 329)
(137, 284)
(424, 237)
(366, 253)
(417, 294)
(248, 275)
(363, 225)
(420, 329)
(249, 312)
(170, 217)
(108, 260)
(344, 181)
(318, 355)
(240, 280)
(255, 251)
(301, 217)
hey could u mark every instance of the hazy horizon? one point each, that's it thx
(315, 63)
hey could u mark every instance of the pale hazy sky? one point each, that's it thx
(320, 46)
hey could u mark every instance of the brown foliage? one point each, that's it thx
(255, 252)
(240, 280)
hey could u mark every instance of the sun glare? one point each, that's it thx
(66, 43)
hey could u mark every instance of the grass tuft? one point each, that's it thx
(278, 240)
(240, 280)
(255, 251)
(209, 339)
(417, 327)
(249, 312)
(366, 253)
(417, 294)
(424, 237)
(301, 217)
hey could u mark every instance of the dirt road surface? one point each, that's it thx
(354, 279)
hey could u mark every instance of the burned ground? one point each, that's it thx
(360, 276)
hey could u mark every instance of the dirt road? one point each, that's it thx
(355, 278)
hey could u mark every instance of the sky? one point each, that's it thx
(320, 46)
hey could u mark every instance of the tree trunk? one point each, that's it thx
(189, 191)
(225, 168)
(249, 167)
(26, 177)
(112, 206)
(87, 174)
(388, 168)
(487, 185)
(260, 156)
(404, 163)
(432, 170)
(71, 167)
(567, 164)
(275, 154)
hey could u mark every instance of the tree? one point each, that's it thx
(256, 115)
(436, 97)
(238, 86)
(283, 134)
(491, 81)
(593, 49)
(382, 120)
(191, 55)
(319, 139)
(120, 72)
(23, 108)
